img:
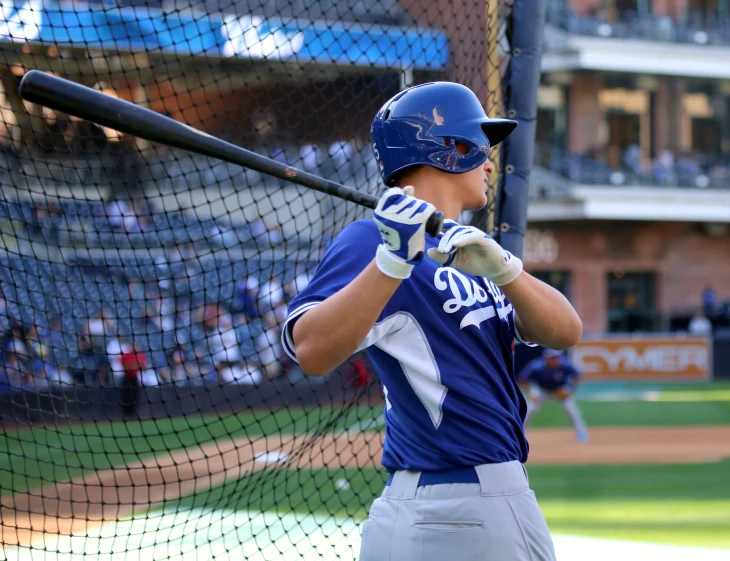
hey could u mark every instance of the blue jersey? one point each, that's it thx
(442, 348)
(539, 373)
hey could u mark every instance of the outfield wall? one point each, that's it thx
(80, 403)
(721, 354)
(655, 357)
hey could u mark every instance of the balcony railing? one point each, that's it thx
(649, 27)
(671, 171)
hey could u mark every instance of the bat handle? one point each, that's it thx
(434, 223)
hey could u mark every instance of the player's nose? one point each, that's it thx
(488, 167)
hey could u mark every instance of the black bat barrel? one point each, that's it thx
(87, 103)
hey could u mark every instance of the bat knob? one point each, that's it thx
(434, 223)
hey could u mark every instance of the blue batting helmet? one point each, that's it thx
(419, 126)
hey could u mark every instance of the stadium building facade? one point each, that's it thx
(629, 196)
(630, 201)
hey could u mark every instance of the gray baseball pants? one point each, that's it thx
(496, 520)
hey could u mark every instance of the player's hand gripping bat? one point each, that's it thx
(86, 103)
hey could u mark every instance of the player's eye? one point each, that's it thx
(462, 148)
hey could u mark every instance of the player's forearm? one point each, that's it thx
(545, 315)
(329, 333)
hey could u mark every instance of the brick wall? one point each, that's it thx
(684, 259)
(585, 118)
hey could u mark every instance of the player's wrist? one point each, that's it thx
(391, 265)
(510, 271)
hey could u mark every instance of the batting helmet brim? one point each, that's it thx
(496, 130)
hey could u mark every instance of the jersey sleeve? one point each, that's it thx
(352, 250)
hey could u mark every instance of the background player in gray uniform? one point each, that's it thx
(553, 376)
(440, 333)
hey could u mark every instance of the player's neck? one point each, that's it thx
(439, 193)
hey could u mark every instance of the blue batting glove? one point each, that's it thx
(401, 220)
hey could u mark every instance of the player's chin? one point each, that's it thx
(478, 203)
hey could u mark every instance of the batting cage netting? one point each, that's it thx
(148, 410)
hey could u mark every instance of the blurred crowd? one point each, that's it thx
(668, 168)
(124, 221)
(26, 356)
(234, 342)
(695, 23)
(610, 165)
(344, 158)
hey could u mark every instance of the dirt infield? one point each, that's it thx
(87, 502)
(630, 446)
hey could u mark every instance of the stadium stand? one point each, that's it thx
(691, 28)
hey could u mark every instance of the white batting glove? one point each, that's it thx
(401, 220)
(472, 251)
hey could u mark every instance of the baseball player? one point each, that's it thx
(438, 317)
(554, 376)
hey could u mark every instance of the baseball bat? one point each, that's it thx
(92, 105)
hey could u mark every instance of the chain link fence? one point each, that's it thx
(147, 407)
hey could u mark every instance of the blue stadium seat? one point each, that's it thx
(60, 270)
(197, 334)
(239, 270)
(27, 314)
(14, 211)
(148, 272)
(154, 341)
(158, 359)
(38, 301)
(226, 291)
(182, 335)
(136, 239)
(66, 307)
(181, 236)
(77, 238)
(196, 283)
(124, 326)
(44, 269)
(29, 264)
(181, 287)
(177, 269)
(63, 288)
(107, 239)
(169, 340)
(24, 298)
(120, 292)
(195, 232)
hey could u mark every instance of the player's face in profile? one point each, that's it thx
(472, 186)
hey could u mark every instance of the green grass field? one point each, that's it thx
(681, 504)
(686, 504)
(32, 456)
(639, 413)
